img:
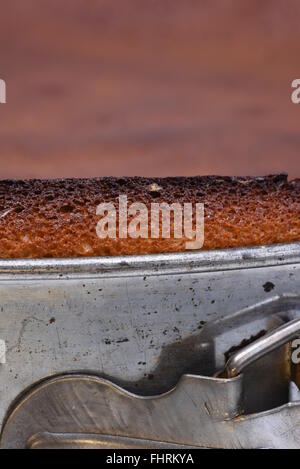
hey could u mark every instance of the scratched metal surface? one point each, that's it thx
(141, 328)
(199, 411)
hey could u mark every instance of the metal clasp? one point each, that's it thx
(266, 344)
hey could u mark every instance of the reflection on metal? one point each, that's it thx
(154, 264)
(122, 352)
(95, 441)
(87, 411)
(271, 341)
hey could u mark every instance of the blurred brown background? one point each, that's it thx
(149, 87)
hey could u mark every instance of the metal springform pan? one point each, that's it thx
(174, 350)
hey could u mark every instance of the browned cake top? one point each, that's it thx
(57, 218)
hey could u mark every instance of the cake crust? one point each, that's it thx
(57, 218)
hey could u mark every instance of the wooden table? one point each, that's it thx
(149, 87)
